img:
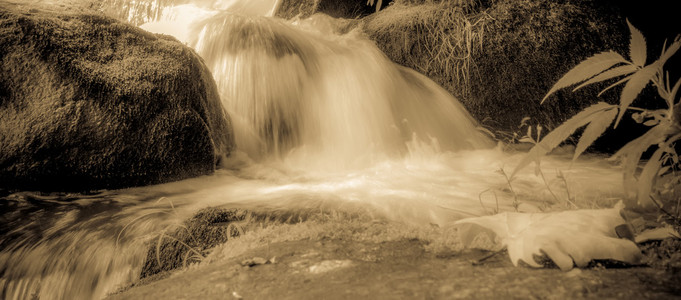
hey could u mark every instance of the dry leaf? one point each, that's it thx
(567, 237)
(657, 234)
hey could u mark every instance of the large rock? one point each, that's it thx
(500, 57)
(87, 102)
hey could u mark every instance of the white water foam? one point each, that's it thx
(322, 121)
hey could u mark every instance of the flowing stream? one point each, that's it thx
(321, 119)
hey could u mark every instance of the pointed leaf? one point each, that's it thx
(612, 73)
(631, 154)
(634, 87)
(625, 79)
(587, 69)
(637, 46)
(646, 180)
(675, 90)
(529, 131)
(657, 234)
(555, 137)
(663, 170)
(670, 51)
(653, 136)
(526, 140)
(651, 122)
(594, 130)
(523, 122)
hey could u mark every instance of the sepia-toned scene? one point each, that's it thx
(340, 149)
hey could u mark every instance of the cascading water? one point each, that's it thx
(322, 99)
(321, 119)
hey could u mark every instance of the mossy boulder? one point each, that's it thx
(500, 57)
(88, 102)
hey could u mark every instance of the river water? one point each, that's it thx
(321, 119)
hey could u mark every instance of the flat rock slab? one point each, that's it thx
(402, 269)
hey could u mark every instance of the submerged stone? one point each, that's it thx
(88, 102)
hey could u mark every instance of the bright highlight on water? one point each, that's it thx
(322, 119)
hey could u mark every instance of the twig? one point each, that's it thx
(546, 183)
(480, 198)
(567, 189)
(515, 196)
(481, 260)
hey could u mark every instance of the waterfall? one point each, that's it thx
(305, 93)
(321, 119)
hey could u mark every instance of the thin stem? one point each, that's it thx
(567, 190)
(547, 185)
(662, 88)
(480, 198)
(636, 109)
(481, 260)
(510, 186)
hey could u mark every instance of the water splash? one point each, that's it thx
(321, 99)
(177, 12)
(323, 120)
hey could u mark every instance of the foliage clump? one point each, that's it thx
(664, 254)
(664, 120)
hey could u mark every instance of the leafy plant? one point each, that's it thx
(665, 124)
(378, 3)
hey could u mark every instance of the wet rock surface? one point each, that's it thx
(401, 269)
(342, 258)
(88, 102)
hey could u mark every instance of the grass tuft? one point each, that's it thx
(180, 245)
(436, 39)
